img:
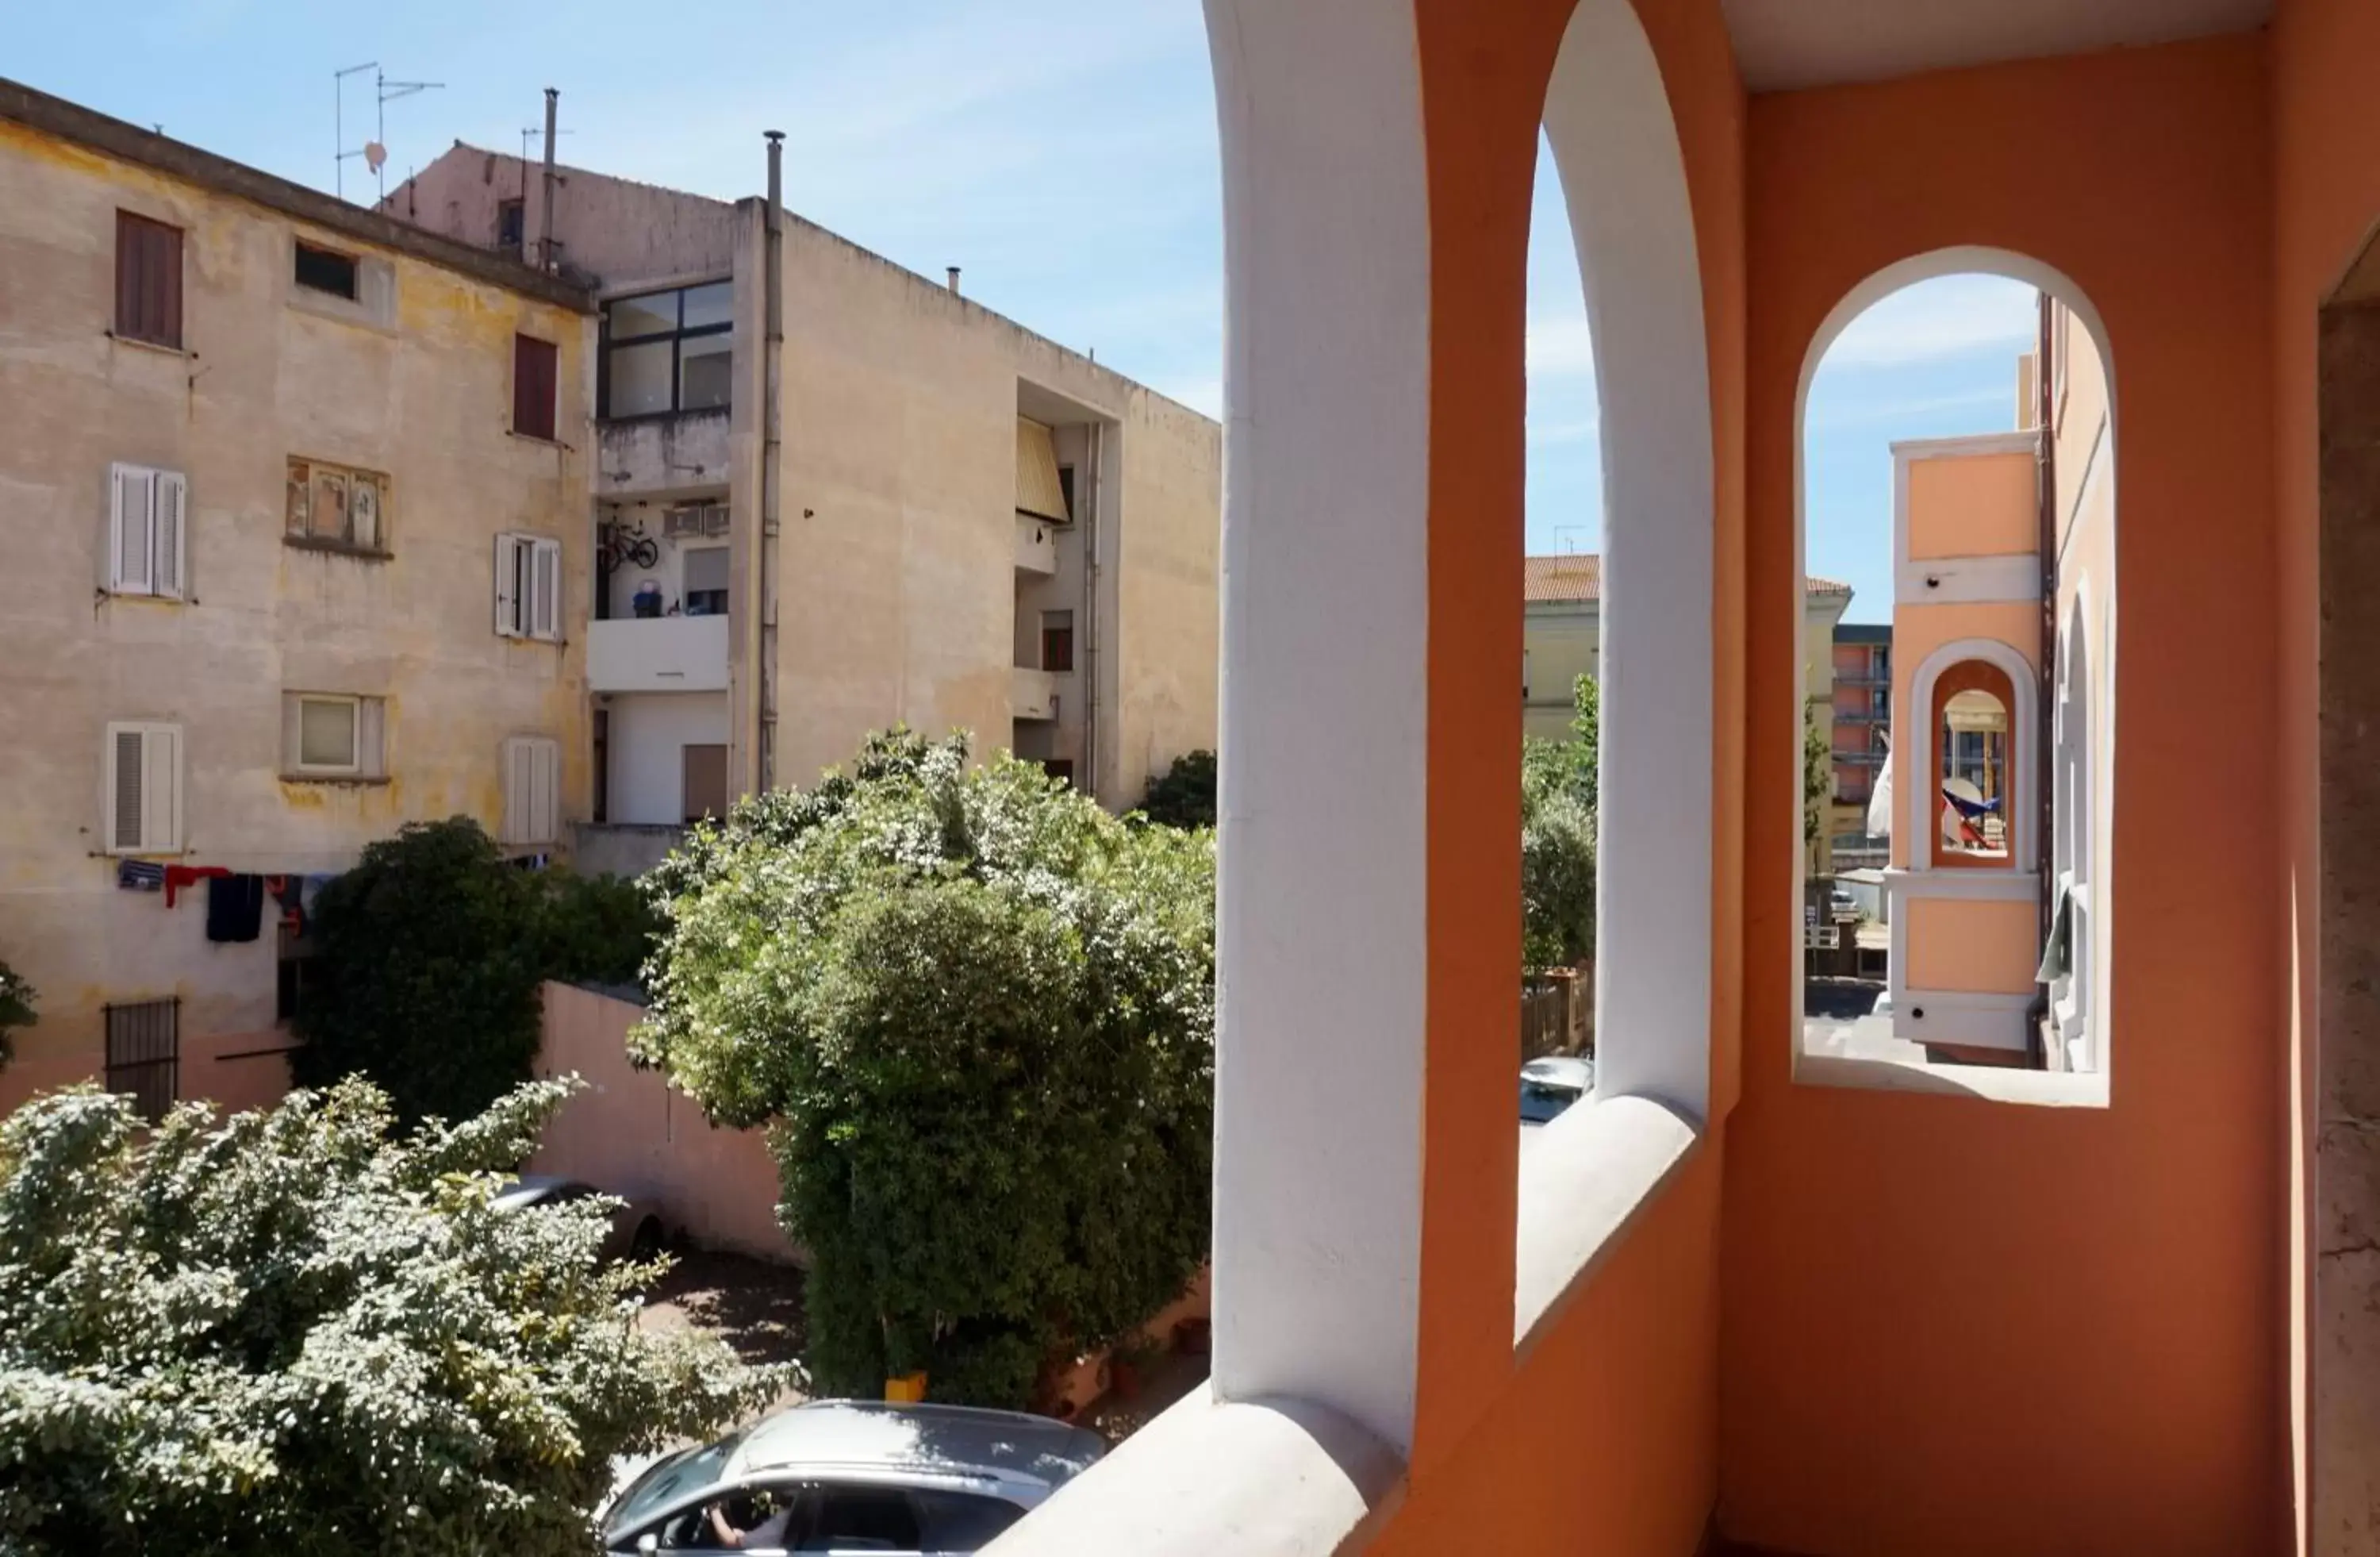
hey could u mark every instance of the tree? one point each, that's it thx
(428, 956)
(17, 999)
(1817, 773)
(1558, 839)
(294, 1331)
(426, 972)
(978, 1013)
(1185, 794)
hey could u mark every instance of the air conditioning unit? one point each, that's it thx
(714, 518)
(680, 523)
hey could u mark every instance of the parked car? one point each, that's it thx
(852, 1475)
(1551, 1083)
(637, 1230)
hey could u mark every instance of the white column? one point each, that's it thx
(1319, 1091)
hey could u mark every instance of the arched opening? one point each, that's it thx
(1955, 436)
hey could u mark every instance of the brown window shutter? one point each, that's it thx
(148, 280)
(169, 285)
(534, 374)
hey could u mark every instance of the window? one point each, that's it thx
(289, 973)
(528, 587)
(705, 580)
(144, 531)
(510, 226)
(1975, 774)
(148, 281)
(1058, 768)
(534, 382)
(669, 351)
(333, 736)
(144, 1054)
(143, 784)
(703, 786)
(333, 506)
(532, 791)
(326, 270)
(1067, 486)
(1057, 640)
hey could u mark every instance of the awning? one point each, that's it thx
(1039, 491)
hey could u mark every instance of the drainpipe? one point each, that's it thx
(764, 594)
(2045, 401)
(1095, 446)
(545, 217)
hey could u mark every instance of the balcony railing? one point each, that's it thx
(1033, 694)
(1037, 545)
(658, 654)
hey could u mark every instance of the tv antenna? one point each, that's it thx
(374, 151)
(1566, 536)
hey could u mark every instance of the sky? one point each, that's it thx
(1061, 152)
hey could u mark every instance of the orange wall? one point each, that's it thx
(1985, 947)
(1630, 1367)
(1972, 506)
(1950, 1326)
(2326, 197)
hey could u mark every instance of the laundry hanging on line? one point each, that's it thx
(234, 907)
(139, 875)
(180, 876)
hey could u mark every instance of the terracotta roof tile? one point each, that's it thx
(1578, 575)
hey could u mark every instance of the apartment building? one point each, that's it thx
(1562, 639)
(1861, 720)
(833, 494)
(298, 501)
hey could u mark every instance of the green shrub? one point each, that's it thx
(17, 999)
(292, 1332)
(1185, 794)
(594, 930)
(425, 976)
(980, 1013)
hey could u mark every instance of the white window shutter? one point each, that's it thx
(127, 781)
(515, 821)
(128, 542)
(168, 495)
(160, 788)
(507, 585)
(545, 593)
(545, 799)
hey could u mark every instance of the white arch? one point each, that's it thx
(1623, 176)
(1925, 799)
(2077, 825)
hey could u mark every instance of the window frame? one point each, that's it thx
(148, 730)
(306, 539)
(1051, 631)
(300, 248)
(166, 240)
(354, 766)
(156, 483)
(531, 824)
(676, 336)
(523, 557)
(527, 347)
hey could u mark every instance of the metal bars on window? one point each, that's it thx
(144, 1054)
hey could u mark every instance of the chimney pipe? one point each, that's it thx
(545, 223)
(954, 277)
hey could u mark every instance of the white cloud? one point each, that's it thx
(1869, 412)
(1954, 316)
(1560, 347)
(1576, 430)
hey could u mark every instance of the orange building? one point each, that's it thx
(1835, 1309)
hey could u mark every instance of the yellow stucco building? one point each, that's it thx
(295, 496)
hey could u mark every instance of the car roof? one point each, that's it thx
(529, 1189)
(1560, 1070)
(865, 1436)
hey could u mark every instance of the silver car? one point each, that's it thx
(637, 1232)
(846, 1476)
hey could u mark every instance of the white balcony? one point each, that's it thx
(687, 451)
(1037, 545)
(1034, 693)
(658, 654)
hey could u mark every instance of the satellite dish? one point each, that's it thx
(374, 155)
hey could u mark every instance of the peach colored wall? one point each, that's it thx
(1985, 946)
(1971, 505)
(2325, 196)
(2040, 1330)
(631, 1133)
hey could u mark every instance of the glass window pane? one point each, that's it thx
(655, 313)
(706, 373)
(714, 304)
(326, 734)
(639, 380)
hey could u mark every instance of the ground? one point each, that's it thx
(1838, 1018)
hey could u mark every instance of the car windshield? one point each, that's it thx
(1540, 1100)
(672, 1480)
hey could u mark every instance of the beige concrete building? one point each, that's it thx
(296, 499)
(850, 497)
(1561, 637)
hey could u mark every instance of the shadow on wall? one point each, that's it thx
(630, 1133)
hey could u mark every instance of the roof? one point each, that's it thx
(1009, 1445)
(1578, 577)
(130, 144)
(1863, 632)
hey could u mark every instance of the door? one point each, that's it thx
(705, 781)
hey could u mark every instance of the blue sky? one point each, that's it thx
(1061, 150)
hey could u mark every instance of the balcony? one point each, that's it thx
(1033, 694)
(658, 654)
(1037, 545)
(682, 450)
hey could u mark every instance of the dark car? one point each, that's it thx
(1551, 1084)
(852, 1475)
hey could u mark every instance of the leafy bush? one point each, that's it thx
(979, 1012)
(594, 930)
(17, 999)
(1558, 837)
(291, 1332)
(1185, 794)
(425, 976)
